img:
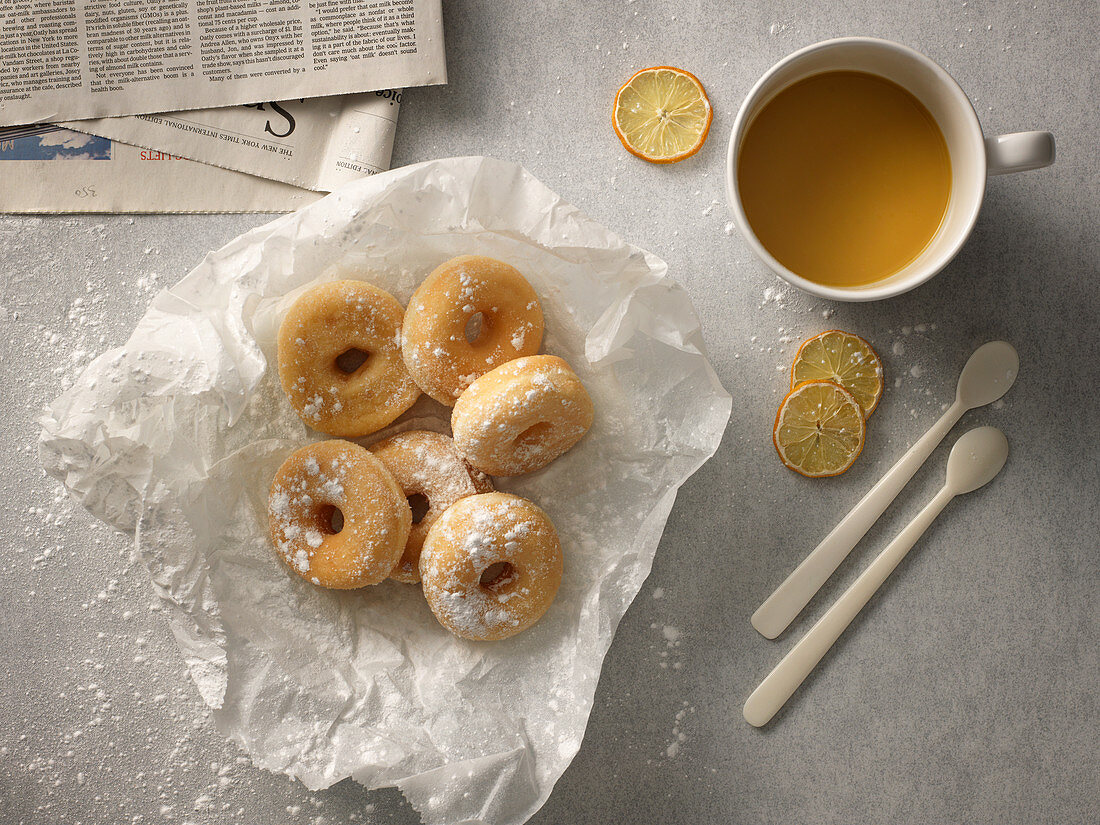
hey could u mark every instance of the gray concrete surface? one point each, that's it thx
(966, 692)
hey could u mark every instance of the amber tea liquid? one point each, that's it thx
(844, 177)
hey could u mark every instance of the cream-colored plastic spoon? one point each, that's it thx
(975, 460)
(987, 376)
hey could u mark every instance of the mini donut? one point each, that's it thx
(427, 464)
(495, 535)
(439, 356)
(315, 483)
(322, 341)
(521, 416)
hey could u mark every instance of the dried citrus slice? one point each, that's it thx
(844, 359)
(819, 429)
(662, 114)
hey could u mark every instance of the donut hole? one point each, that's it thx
(476, 327)
(498, 576)
(419, 505)
(330, 520)
(533, 436)
(351, 360)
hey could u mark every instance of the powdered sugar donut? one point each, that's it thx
(429, 466)
(491, 566)
(361, 545)
(340, 359)
(521, 416)
(442, 360)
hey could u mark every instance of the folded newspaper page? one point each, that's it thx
(317, 144)
(77, 59)
(49, 169)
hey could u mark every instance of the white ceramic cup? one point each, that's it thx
(973, 156)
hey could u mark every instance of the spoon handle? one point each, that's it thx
(784, 680)
(787, 601)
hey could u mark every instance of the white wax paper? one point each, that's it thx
(176, 435)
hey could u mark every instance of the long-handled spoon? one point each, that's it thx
(975, 460)
(986, 377)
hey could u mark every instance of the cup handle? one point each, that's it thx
(1019, 152)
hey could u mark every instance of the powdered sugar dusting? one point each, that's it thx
(472, 536)
(439, 354)
(325, 323)
(312, 483)
(522, 415)
(428, 464)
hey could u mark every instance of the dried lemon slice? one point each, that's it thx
(844, 359)
(819, 429)
(662, 114)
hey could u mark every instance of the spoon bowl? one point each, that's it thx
(988, 374)
(976, 459)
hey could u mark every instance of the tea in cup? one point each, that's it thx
(857, 167)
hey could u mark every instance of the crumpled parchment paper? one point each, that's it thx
(176, 435)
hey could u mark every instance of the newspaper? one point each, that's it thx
(317, 144)
(51, 169)
(78, 59)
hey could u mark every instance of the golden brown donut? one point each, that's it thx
(315, 483)
(427, 464)
(321, 339)
(491, 566)
(440, 358)
(521, 416)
